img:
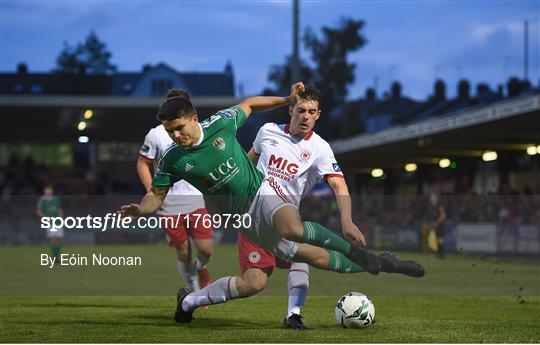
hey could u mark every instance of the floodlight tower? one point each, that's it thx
(295, 68)
(526, 51)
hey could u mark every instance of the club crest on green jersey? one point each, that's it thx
(228, 113)
(219, 144)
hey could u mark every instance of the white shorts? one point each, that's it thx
(268, 200)
(55, 232)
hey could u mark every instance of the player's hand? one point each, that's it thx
(131, 210)
(353, 234)
(295, 89)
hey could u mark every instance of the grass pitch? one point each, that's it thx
(462, 299)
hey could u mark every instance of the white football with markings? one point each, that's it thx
(355, 310)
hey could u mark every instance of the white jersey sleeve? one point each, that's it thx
(259, 138)
(150, 148)
(327, 165)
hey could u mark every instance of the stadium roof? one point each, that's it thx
(104, 101)
(32, 118)
(509, 125)
(203, 84)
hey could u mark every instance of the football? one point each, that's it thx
(355, 310)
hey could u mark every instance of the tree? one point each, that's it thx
(281, 76)
(90, 57)
(351, 124)
(331, 72)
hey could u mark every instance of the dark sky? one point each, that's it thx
(410, 41)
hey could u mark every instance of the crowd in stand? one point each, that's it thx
(411, 211)
(21, 184)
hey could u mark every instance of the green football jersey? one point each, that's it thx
(217, 166)
(49, 205)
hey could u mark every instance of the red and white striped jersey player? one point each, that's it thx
(297, 158)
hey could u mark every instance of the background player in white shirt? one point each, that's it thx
(297, 158)
(182, 199)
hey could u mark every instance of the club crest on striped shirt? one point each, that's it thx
(254, 257)
(219, 143)
(305, 155)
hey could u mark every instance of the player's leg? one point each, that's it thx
(56, 237)
(256, 265)
(325, 259)
(298, 286)
(440, 240)
(273, 206)
(205, 248)
(185, 266)
(56, 247)
(177, 238)
(287, 221)
(334, 261)
(251, 282)
(203, 240)
(289, 224)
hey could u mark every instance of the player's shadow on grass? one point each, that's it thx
(85, 322)
(159, 321)
(212, 322)
(216, 322)
(86, 305)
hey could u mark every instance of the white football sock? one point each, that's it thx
(298, 284)
(219, 291)
(187, 271)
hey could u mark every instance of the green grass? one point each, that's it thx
(462, 299)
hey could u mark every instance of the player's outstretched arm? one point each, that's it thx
(264, 103)
(149, 204)
(144, 171)
(343, 199)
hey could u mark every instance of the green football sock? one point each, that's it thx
(320, 236)
(339, 263)
(55, 249)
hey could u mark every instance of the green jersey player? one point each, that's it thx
(208, 156)
(49, 206)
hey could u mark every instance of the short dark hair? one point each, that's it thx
(310, 93)
(176, 105)
(177, 93)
